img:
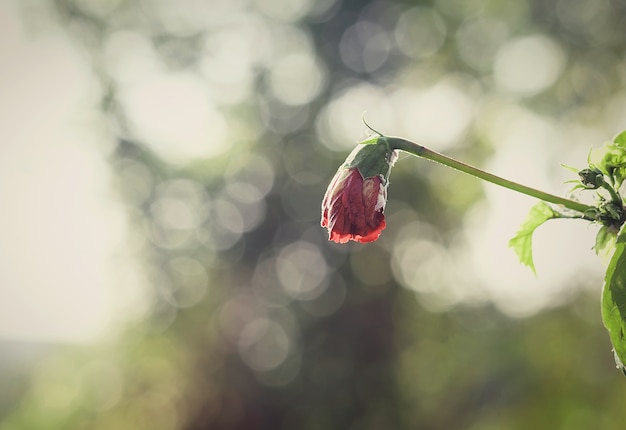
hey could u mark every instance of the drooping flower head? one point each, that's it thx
(355, 200)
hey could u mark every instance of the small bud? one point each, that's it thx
(354, 202)
(591, 178)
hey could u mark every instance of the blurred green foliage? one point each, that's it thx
(255, 320)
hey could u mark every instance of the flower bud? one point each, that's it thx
(354, 202)
(591, 178)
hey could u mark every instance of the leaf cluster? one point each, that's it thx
(605, 173)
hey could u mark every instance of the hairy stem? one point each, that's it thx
(587, 211)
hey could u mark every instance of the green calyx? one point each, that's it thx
(372, 157)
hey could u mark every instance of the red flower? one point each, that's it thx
(352, 208)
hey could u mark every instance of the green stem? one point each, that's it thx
(614, 196)
(420, 151)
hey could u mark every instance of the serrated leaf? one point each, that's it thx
(614, 301)
(522, 242)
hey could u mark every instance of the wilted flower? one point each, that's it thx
(354, 202)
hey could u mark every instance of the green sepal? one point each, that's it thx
(371, 141)
(570, 168)
(522, 242)
(614, 300)
(372, 157)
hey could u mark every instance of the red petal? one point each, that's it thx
(349, 208)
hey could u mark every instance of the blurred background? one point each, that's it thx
(162, 166)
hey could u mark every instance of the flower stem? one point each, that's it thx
(614, 196)
(423, 152)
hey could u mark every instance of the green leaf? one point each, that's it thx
(620, 139)
(522, 242)
(614, 301)
(610, 159)
(605, 239)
